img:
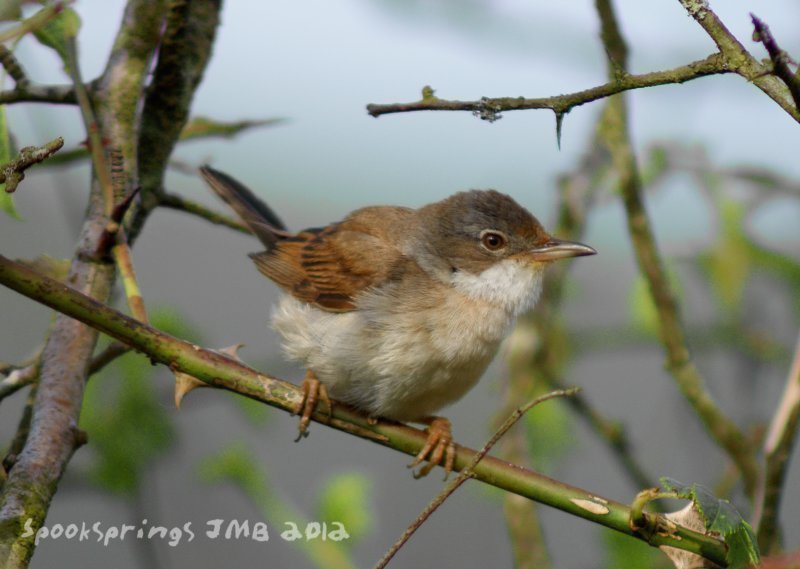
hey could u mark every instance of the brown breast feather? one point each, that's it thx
(330, 266)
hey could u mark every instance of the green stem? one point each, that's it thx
(221, 371)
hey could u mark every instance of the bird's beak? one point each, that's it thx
(555, 249)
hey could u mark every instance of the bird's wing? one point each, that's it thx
(330, 266)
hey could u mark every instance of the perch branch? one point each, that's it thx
(221, 371)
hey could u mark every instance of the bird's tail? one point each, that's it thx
(257, 215)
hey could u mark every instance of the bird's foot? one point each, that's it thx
(438, 446)
(313, 391)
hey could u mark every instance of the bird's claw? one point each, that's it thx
(438, 446)
(313, 392)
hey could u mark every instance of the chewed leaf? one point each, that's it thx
(720, 517)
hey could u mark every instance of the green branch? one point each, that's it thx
(221, 371)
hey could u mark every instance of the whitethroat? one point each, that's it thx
(398, 311)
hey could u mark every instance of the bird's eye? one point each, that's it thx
(493, 240)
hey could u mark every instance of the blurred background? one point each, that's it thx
(726, 212)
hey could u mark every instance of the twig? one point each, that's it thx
(50, 94)
(122, 255)
(617, 139)
(778, 448)
(96, 145)
(467, 472)
(189, 30)
(174, 201)
(23, 428)
(779, 58)
(224, 372)
(488, 108)
(17, 379)
(737, 58)
(13, 67)
(14, 172)
(108, 355)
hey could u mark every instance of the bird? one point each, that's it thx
(398, 311)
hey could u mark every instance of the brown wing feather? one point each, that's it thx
(330, 266)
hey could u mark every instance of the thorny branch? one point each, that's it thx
(731, 58)
(489, 108)
(221, 371)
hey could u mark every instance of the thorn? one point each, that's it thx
(232, 351)
(559, 123)
(184, 383)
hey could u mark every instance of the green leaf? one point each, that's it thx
(655, 166)
(625, 551)
(6, 152)
(720, 517)
(642, 309)
(173, 322)
(729, 262)
(202, 127)
(255, 412)
(10, 10)
(236, 465)
(56, 32)
(127, 430)
(345, 498)
(549, 434)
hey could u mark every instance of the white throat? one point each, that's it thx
(510, 284)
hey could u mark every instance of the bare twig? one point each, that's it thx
(50, 94)
(95, 139)
(780, 60)
(14, 172)
(778, 448)
(108, 355)
(17, 379)
(174, 201)
(122, 255)
(224, 372)
(617, 139)
(488, 108)
(467, 472)
(737, 58)
(9, 62)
